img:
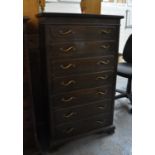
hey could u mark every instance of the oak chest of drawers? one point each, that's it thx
(78, 62)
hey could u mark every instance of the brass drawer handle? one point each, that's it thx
(65, 32)
(102, 77)
(105, 62)
(70, 114)
(100, 122)
(70, 130)
(67, 49)
(105, 46)
(101, 107)
(68, 99)
(67, 66)
(68, 83)
(101, 93)
(106, 31)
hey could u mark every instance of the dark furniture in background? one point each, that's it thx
(29, 128)
(125, 70)
(78, 73)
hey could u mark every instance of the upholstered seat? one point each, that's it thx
(125, 70)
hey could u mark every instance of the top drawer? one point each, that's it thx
(68, 32)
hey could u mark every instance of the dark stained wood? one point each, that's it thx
(78, 72)
(64, 115)
(80, 49)
(73, 32)
(78, 15)
(86, 125)
(82, 96)
(29, 130)
(78, 66)
(75, 82)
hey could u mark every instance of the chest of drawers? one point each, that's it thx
(78, 65)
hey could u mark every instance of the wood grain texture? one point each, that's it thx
(91, 6)
(31, 9)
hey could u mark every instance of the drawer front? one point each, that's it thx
(70, 83)
(81, 49)
(81, 127)
(69, 32)
(64, 115)
(79, 66)
(82, 96)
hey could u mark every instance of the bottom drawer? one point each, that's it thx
(80, 127)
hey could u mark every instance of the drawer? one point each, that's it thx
(64, 115)
(82, 96)
(81, 127)
(70, 83)
(81, 49)
(79, 66)
(56, 33)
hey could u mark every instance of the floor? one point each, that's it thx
(119, 143)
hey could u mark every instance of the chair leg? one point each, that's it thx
(129, 86)
(129, 92)
(130, 111)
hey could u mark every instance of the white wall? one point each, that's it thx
(70, 6)
(73, 6)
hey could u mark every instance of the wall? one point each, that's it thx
(73, 6)
(63, 6)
